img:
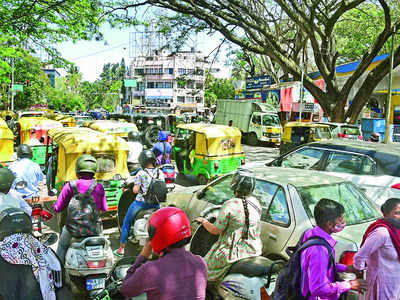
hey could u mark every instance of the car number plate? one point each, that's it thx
(95, 283)
(94, 251)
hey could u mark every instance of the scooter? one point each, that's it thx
(88, 262)
(170, 175)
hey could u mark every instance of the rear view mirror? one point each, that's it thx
(20, 185)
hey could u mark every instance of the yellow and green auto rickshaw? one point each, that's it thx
(111, 152)
(115, 128)
(4, 113)
(66, 120)
(297, 133)
(207, 150)
(33, 131)
(6, 143)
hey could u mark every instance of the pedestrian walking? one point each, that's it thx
(380, 254)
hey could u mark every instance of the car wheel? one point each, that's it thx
(252, 139)
(202, 179)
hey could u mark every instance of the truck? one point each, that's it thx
(258, 122)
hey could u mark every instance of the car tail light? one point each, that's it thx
(216, 166)
(96, 264)
(396, 186)
(36, 212)
(347, 258)
(263, 294)
(169, 180)
(242, 161)
(360, 137)
(342, 135)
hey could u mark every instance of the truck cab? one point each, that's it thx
(265, 127)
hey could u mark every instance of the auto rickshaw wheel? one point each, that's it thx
(202, 179)
(150, 135)
(252, 139)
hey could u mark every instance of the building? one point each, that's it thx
(170, 80)
(52, 74)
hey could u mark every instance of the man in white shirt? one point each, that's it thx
(135, 148)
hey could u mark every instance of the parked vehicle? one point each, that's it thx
(374, 167)
(298, 133)
(344, 131)
(258, 122)
(287, 198)
(111, 127)
(68, 143)
(26, 126)
(66, 120)
(32, 113)
(207, 150)
(82, 119)
(6, 143)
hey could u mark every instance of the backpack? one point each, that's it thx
(83, 218)
(157, 191)
(288, 283)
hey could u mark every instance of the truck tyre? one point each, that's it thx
(150, 135)
(252, 139)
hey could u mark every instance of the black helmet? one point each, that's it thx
(24, 151)
(243, 182)
(146, 157)
(6, 179)
(14, 220)
(133, 136)
(375, 137)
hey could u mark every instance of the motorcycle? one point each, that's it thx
(87, 263)
(170, 175)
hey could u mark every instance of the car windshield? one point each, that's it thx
(270, 120)
(323, 133)
(351, 130)
(358, 209)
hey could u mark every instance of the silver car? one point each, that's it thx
(288, 198)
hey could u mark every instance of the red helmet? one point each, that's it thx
(168, 226)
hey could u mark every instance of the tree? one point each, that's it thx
(282, 30)
(218, 88)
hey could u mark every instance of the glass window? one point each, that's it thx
(304, 158)
(160, 71)
(349, 163)
(199, 86)
(181, 71)
(105, 162)
(169, 71)
(323, 133)
(199, 99)
(219, 192)
(358, 209)
(351, 130)
(168, 85)
(150, 85)
(139, 71)
(199, 71)
(270, 120)
(257, 120)
(181, 99)
(190, 71)
(181, 84)
(190, 99)
(278, 211)
(149, 70)
(159, 85)
(190, 85)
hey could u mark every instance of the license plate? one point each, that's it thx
(95, 283)
(274, 140)
(94, 251)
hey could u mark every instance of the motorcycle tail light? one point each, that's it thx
(169, 180)
(242, 161)
(96, 264)
(347, 258)
(216, 166)
(342, 135)
(36, 212)
(263, 294)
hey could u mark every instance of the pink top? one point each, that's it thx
(83, 185)
(316, 277)
(381, 260)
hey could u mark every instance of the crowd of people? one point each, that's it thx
(238, 227)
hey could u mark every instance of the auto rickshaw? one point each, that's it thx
(6, 143)
(111, 152)
(297, 133)
(4, 113)
(207, 150)
(39, 126)
(115, 128)
(67, 121)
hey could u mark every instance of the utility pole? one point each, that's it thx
(389, 94)
(12, 85)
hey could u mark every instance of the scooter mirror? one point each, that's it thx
(20, 185)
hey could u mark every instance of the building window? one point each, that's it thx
(181, 71)
(160, 71)
(189, 99)
(159, 85)
(168, 85)
(141, 86)
(190, 85)
(181, 84)
(150, 85)
(169, 71)
(199, 71)
(139, 71)
(181, 99)
(148, 71)
(199, 86)
(190, 71)
(199, 99)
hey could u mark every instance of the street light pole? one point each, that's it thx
(12, 85)
(389, 94)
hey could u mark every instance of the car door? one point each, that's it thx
(303, 158)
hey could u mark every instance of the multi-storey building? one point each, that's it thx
(170, 80)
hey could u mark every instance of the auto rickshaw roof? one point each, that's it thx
(3, 124)
(83, 140)
(110, 124)
(27, 123)
(4, 113)
(60, 117)
(211, 130)
(305, 124)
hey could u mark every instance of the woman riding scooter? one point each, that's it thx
(238, 227)
(162, 149)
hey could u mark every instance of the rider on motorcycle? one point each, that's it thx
(177, 274)
(238, 227)
(86, 166)
(135, 148)
(141, 184)
(162, 149)
(26, 170)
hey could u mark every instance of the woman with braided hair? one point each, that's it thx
(238, 227)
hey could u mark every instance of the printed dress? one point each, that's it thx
(231, 246)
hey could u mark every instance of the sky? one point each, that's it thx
(90, 56)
